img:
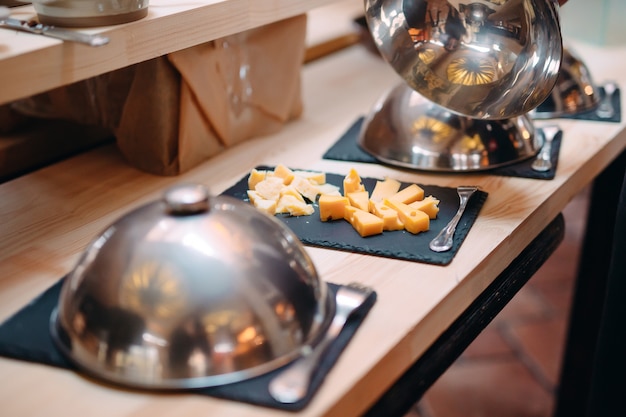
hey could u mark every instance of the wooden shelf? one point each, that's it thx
(31, 64)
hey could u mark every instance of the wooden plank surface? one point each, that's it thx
(48, 217)
(34, 143)
(34, 64)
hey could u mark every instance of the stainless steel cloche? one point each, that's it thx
(190, 291)
(574, 92)
(407, 130)
(486, 59)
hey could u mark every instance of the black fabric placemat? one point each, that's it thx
(339, 234)
(588, 115)
(26, 336)
(348, 149)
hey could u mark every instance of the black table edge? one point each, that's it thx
(412, 385)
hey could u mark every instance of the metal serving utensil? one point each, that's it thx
(543, 161)
(405, 129)
(443, 241)
(37, 28)
(292, 383)
(606, 110)
(574, 92)
(488, 60)
(172, 300)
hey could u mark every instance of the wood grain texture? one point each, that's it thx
(36, 63)
(49, 216)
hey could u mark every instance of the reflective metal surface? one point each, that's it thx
(445, 238)
(407, 130)
(574, 92)
(85, 13)
(491, 59)
(292, 383)
(191, 291)
(606, 110)
(52, 31)
(543, 160)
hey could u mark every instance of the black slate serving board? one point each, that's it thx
(340, 235)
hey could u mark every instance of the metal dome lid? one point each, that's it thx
(190, 291)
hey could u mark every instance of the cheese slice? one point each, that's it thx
(408, 194)
(332, 207)
(352, 183)
(414, 220)
(364, 222)
(270, 188)
(285, 173)
(255, 177)
(329, 189)
(289, 203)
(306, 188)
(384, 189)
(318, 178)
(391, 220)
(266, 206)
(291, 190)
(253, 196)
(359, 199)
(429, 205)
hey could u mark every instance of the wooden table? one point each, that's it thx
(49, 216)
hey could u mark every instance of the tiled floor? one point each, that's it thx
(512, 368)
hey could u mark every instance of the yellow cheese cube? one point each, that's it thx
(384, 189)
(317, 178)
(255, 177)
(414, 221)
(359, 199)
(305, 187)
(408, 195)
(283, 172)
(391, 220)
(364, 222)
(332, 207)
(352, 183)
(429, 205)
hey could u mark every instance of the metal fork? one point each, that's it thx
(292, 384)
(443, 241)
(605, 110)
(543, 161)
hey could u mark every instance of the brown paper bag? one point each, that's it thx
(230, 90)
(171, 113)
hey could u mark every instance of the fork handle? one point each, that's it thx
(606, 109)
(443, 241)
(292, 384)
